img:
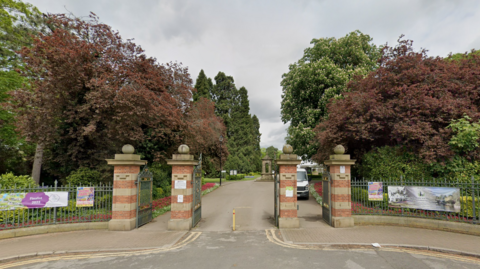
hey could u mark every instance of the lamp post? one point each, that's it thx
(221, 140)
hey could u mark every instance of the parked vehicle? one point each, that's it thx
(302, 184)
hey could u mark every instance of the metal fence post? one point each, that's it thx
(401, 184)
(55, 209)
(473, 202)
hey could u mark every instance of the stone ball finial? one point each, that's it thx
(287, 149)
(339, 149)
(128, 149)
(183, 149)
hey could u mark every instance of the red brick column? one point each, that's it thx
(341, 201)
(182, 198)
(125, 172)
(287, 164)
(183, 209)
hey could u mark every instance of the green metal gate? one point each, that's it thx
(326, 205)
(276, 183)
(197, 193)
(144, 197)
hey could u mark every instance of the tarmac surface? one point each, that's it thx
(254, 243)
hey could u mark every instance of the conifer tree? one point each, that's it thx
(203, 85)
(243, 133)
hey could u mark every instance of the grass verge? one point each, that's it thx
(315, 194)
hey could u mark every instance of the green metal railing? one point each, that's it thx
(469, 211)
(29, 217)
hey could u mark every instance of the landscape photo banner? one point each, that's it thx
(85, 196)
(12, 201)
(427, 198)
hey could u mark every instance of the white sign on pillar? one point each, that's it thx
(180, 184)
(180, 199)
(342, 169)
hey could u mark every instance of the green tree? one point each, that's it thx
(203, 85)
(256, 143)
(320, 75)
(233, 106)
(224, 95)
(19, 23)
(466, 135)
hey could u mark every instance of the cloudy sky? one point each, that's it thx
(255, 41)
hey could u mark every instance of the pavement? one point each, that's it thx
(253, 202)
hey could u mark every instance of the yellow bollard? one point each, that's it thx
(233, 220)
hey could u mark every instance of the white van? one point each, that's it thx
(302, 184)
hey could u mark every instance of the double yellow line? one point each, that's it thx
(272, 237)
(190, 238)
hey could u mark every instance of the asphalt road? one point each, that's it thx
(253, 203)
(253, 249)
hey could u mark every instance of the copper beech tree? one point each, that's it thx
(92, 92)
(409, 101)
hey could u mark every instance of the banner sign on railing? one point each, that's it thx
(375, 191)
(85, 196)
(427, 198)
(12, 201)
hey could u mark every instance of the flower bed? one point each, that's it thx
(207, 186)
(162, 202)
(163, 205)
(318, 188)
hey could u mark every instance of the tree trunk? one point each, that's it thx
(37, 163)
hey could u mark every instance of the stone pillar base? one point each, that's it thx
(180, 224)
(122, 224)
(267, 176)
(288, 223)
(342, 222)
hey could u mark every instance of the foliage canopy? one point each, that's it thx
(320, 75)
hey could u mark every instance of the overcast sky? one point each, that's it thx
(255, 41)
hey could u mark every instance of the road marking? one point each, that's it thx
(190, 238)
(272, 237)
(243, 207)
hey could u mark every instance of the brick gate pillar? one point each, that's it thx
(182, 189)
(125, 171)
(288, 188)
(341, 200)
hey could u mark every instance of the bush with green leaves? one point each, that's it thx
(10, 181)
(236, 177)
(162, 175)
(84, 177)
(391, 163)
(157, 193)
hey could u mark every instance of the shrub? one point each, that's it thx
(72, 206)
(14, 216)
(84, 176)
(157, 193)
(10, 181)
(235, 177)
(162, 177)
(467, 206)
(361, 195)
(102, 200)
(393, 162)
